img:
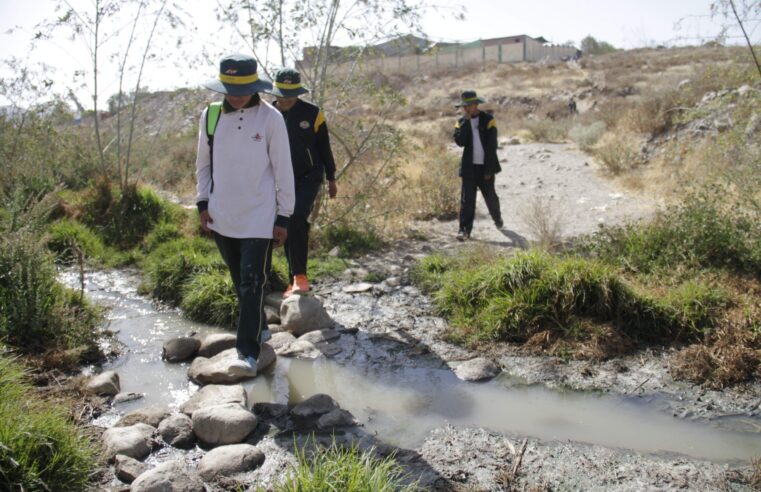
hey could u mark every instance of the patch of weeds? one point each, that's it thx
(162, 233)
(173, 263)
(374, 277)
(697, 234)
(210, 298)
(351, 241)
(618, 154)
(345, 469)
(40, 449)
(37, 314)
(544, 220)
(326, 266)
(586, 136)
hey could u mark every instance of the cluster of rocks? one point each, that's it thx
(219, 418)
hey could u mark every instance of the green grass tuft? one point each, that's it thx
(210, 298)
(344, 469)
(40, 449)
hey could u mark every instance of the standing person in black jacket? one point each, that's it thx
(476, 132)
(312, 158)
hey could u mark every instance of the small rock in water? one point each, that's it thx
(150, 415)
(336, 418)
(477, 369)
(224, 368)
(127, 397)
(314, 407)
(105, 384)
(281, 340)
(302, 314)
(319, 336)
(180, 349)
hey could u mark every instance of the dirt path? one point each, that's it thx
(564, 180)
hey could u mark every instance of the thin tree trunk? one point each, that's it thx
(747, 39)
(95, 90)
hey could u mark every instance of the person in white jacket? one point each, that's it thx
(245, 191)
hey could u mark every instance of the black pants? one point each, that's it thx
(470, 185)
(297, 243)
(249, 261)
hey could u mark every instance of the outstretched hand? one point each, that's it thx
(206, 220)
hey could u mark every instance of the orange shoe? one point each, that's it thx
(300, 285)
(288, 291)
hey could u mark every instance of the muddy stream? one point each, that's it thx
(400, 405)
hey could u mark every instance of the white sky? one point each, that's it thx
(624, 23)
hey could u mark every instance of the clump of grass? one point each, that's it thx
(124, 217)
(513, 299)
(210, 298)
(40, 449)
(345, 469)
(69, 238)
(162, 233)
(547, 130)
(544, 221)
(38, 314)
(172, 264)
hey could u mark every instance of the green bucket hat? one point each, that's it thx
(469, 97)
(238, 77)
(288, 83)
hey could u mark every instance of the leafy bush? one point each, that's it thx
(349, 470)
(40, 449)
(617, 154)
(36, 312)
(162, 233)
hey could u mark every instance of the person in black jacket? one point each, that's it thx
(476, 132)
(312, 159)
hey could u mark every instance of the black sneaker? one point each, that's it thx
(499, 224)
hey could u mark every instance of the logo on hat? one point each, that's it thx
(304, 124)
(231, 71)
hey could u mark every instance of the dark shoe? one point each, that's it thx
(463, 236)
(499, 224)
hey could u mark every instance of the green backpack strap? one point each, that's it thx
(212, 119)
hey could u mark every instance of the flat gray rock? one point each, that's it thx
(272, 314)
(215, 394)
(221, 368)
(225, 461)
(281, 340)
(314, 407)
(319, 336)
(477, 369)
(358, 288)
(149, 415)
(216, 343)
(336, 418)
(274, 299)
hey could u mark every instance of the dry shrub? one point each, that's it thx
(586, 136)
(728, 356)
(654, 114)
(544, 220)
(618, 153)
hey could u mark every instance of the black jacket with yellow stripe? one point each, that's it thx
(463, 137)
(310, 144)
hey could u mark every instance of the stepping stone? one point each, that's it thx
(180, 349)
(150, 415)
(216, 343)
(221, 369)
(135, 441)
(215, 394)
(172, 476)
(223, 424)
(302, 314)
(177, 430)
(225, 461)
(104, 384)
(477, 369)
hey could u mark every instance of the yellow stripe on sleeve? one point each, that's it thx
(492, 124)
(319, 121)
